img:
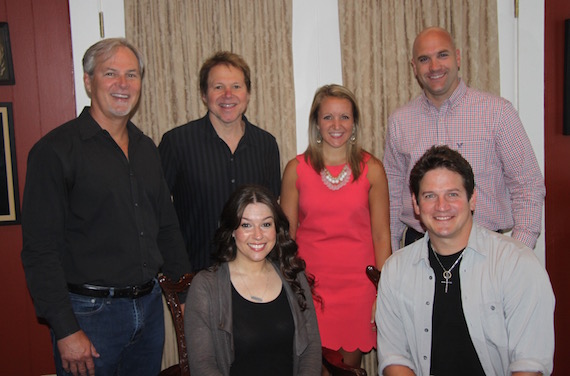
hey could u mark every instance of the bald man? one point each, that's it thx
(484, 128)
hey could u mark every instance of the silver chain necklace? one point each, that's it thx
(256, 298)
(447, 273)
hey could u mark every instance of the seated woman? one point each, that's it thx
(252, 312)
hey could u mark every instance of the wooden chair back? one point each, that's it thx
(171, 290)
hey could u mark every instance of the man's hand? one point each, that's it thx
(77, 354)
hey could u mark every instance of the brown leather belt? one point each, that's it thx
(132, 292)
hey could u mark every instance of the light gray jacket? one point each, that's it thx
(209, 328)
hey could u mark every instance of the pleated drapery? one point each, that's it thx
(176, 36)
(376, 39)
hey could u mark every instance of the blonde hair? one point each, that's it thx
(314, 152)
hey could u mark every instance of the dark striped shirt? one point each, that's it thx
(201, 173)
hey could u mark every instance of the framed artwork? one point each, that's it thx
(9, 193)
(6, 67)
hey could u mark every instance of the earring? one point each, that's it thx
(353, 136)
(319, 138)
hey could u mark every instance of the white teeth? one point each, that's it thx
(442, 218)
(227, 105)
(436, 77)
(257, 246)
(123, 96)
(336, 134)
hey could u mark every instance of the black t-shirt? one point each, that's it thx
(263, 336)
(452, 351)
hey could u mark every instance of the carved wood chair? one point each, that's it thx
(171, 290)
(332, 359)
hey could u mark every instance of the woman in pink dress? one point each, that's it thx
(335, 195)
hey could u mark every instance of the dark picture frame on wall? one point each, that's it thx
(6, 66)
(9, 193)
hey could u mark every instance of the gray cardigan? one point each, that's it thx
(208, 325)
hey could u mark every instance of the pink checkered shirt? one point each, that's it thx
(488, 132)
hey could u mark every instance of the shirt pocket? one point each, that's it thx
(480, 153)
(493, 322)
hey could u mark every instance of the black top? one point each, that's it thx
(452, 351)
(90, 215)
(263, 336)
(201, 173)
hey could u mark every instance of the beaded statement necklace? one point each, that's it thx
(335, 183)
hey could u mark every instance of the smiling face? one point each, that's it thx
(436, 64)
(444, 209)
(335, 121)
(115, 85)
(256, 235)
(227, 96)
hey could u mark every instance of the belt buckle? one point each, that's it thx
(135, 291)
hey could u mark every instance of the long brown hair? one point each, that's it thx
(284, 253)
(314, 152)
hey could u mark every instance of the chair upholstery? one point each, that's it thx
(171, 290)
(332, 359)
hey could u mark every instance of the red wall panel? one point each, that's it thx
(43, 97)
(557, 175)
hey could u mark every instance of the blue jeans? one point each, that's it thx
(127, 333)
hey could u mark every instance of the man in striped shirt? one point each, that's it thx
(207, 159)
(484, 128)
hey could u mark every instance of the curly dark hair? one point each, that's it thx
(284, 253)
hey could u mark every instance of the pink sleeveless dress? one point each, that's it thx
(335, 240)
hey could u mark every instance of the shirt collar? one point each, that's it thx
(88, 127)
(211, 132)
(473, 244)
(453, 99)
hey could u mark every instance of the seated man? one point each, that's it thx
(464, 300)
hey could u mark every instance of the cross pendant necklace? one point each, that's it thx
(447, 273)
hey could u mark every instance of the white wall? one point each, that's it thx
(521, 48)
(317, 60)
(85, 31)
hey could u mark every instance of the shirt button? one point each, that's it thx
(492, 308)
(144, 264)
(426, 330)
(425, 357)
(427, 303)
(136, 204)
(430, 277)
(233, 181)
(142, 233)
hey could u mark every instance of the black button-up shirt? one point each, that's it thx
(202, 173)
(90, 215)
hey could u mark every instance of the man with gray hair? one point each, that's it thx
(98, 226)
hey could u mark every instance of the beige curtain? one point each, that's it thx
(176, 36)
(376, 44)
